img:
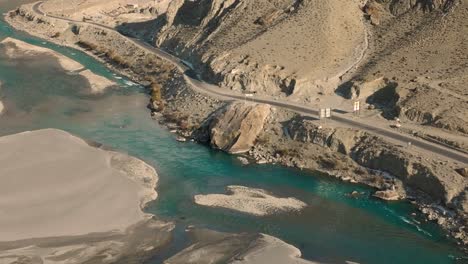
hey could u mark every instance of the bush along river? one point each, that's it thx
(333, 228)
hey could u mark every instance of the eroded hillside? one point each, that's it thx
(282, 47)
(421, 46)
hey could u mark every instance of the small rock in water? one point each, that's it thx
(243, 160)
(388, 195)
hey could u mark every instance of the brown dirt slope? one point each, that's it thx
(278, 47)
(422, 46)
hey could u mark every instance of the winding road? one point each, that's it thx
(225, 94)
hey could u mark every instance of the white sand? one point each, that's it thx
(98, 83)
(252, 201)
(28, 49)
(54, 184)
(272, 250)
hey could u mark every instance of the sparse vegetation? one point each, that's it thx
(288, 152)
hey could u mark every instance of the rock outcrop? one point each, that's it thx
(363, 89)
(440, 182)
(235, 128)
(463, 172)
(388, 195)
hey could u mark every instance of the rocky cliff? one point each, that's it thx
(427, 175)
(235, 127)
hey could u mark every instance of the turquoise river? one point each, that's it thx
(333, 228)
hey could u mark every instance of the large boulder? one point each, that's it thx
(235, 128)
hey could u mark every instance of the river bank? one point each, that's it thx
(77, 215)
(176, 95)
(69, 216)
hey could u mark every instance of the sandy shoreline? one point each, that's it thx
(55, 188)
(210, 246)
(66, 192)
(16, 48)
(251, 201)
(272, 250)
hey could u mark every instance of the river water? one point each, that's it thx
(333, 228)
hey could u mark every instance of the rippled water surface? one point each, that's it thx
(333, 228)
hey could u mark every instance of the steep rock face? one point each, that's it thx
(267, 46)
(364, 88)
(235, 128)
(440, 182)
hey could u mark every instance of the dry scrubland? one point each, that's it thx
(423, 51)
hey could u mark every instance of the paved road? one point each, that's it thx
(224, 94)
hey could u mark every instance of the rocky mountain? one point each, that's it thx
(283, 47)
(304, 50)
(420, 46)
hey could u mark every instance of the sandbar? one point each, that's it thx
(250, 200)
(97, 83)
